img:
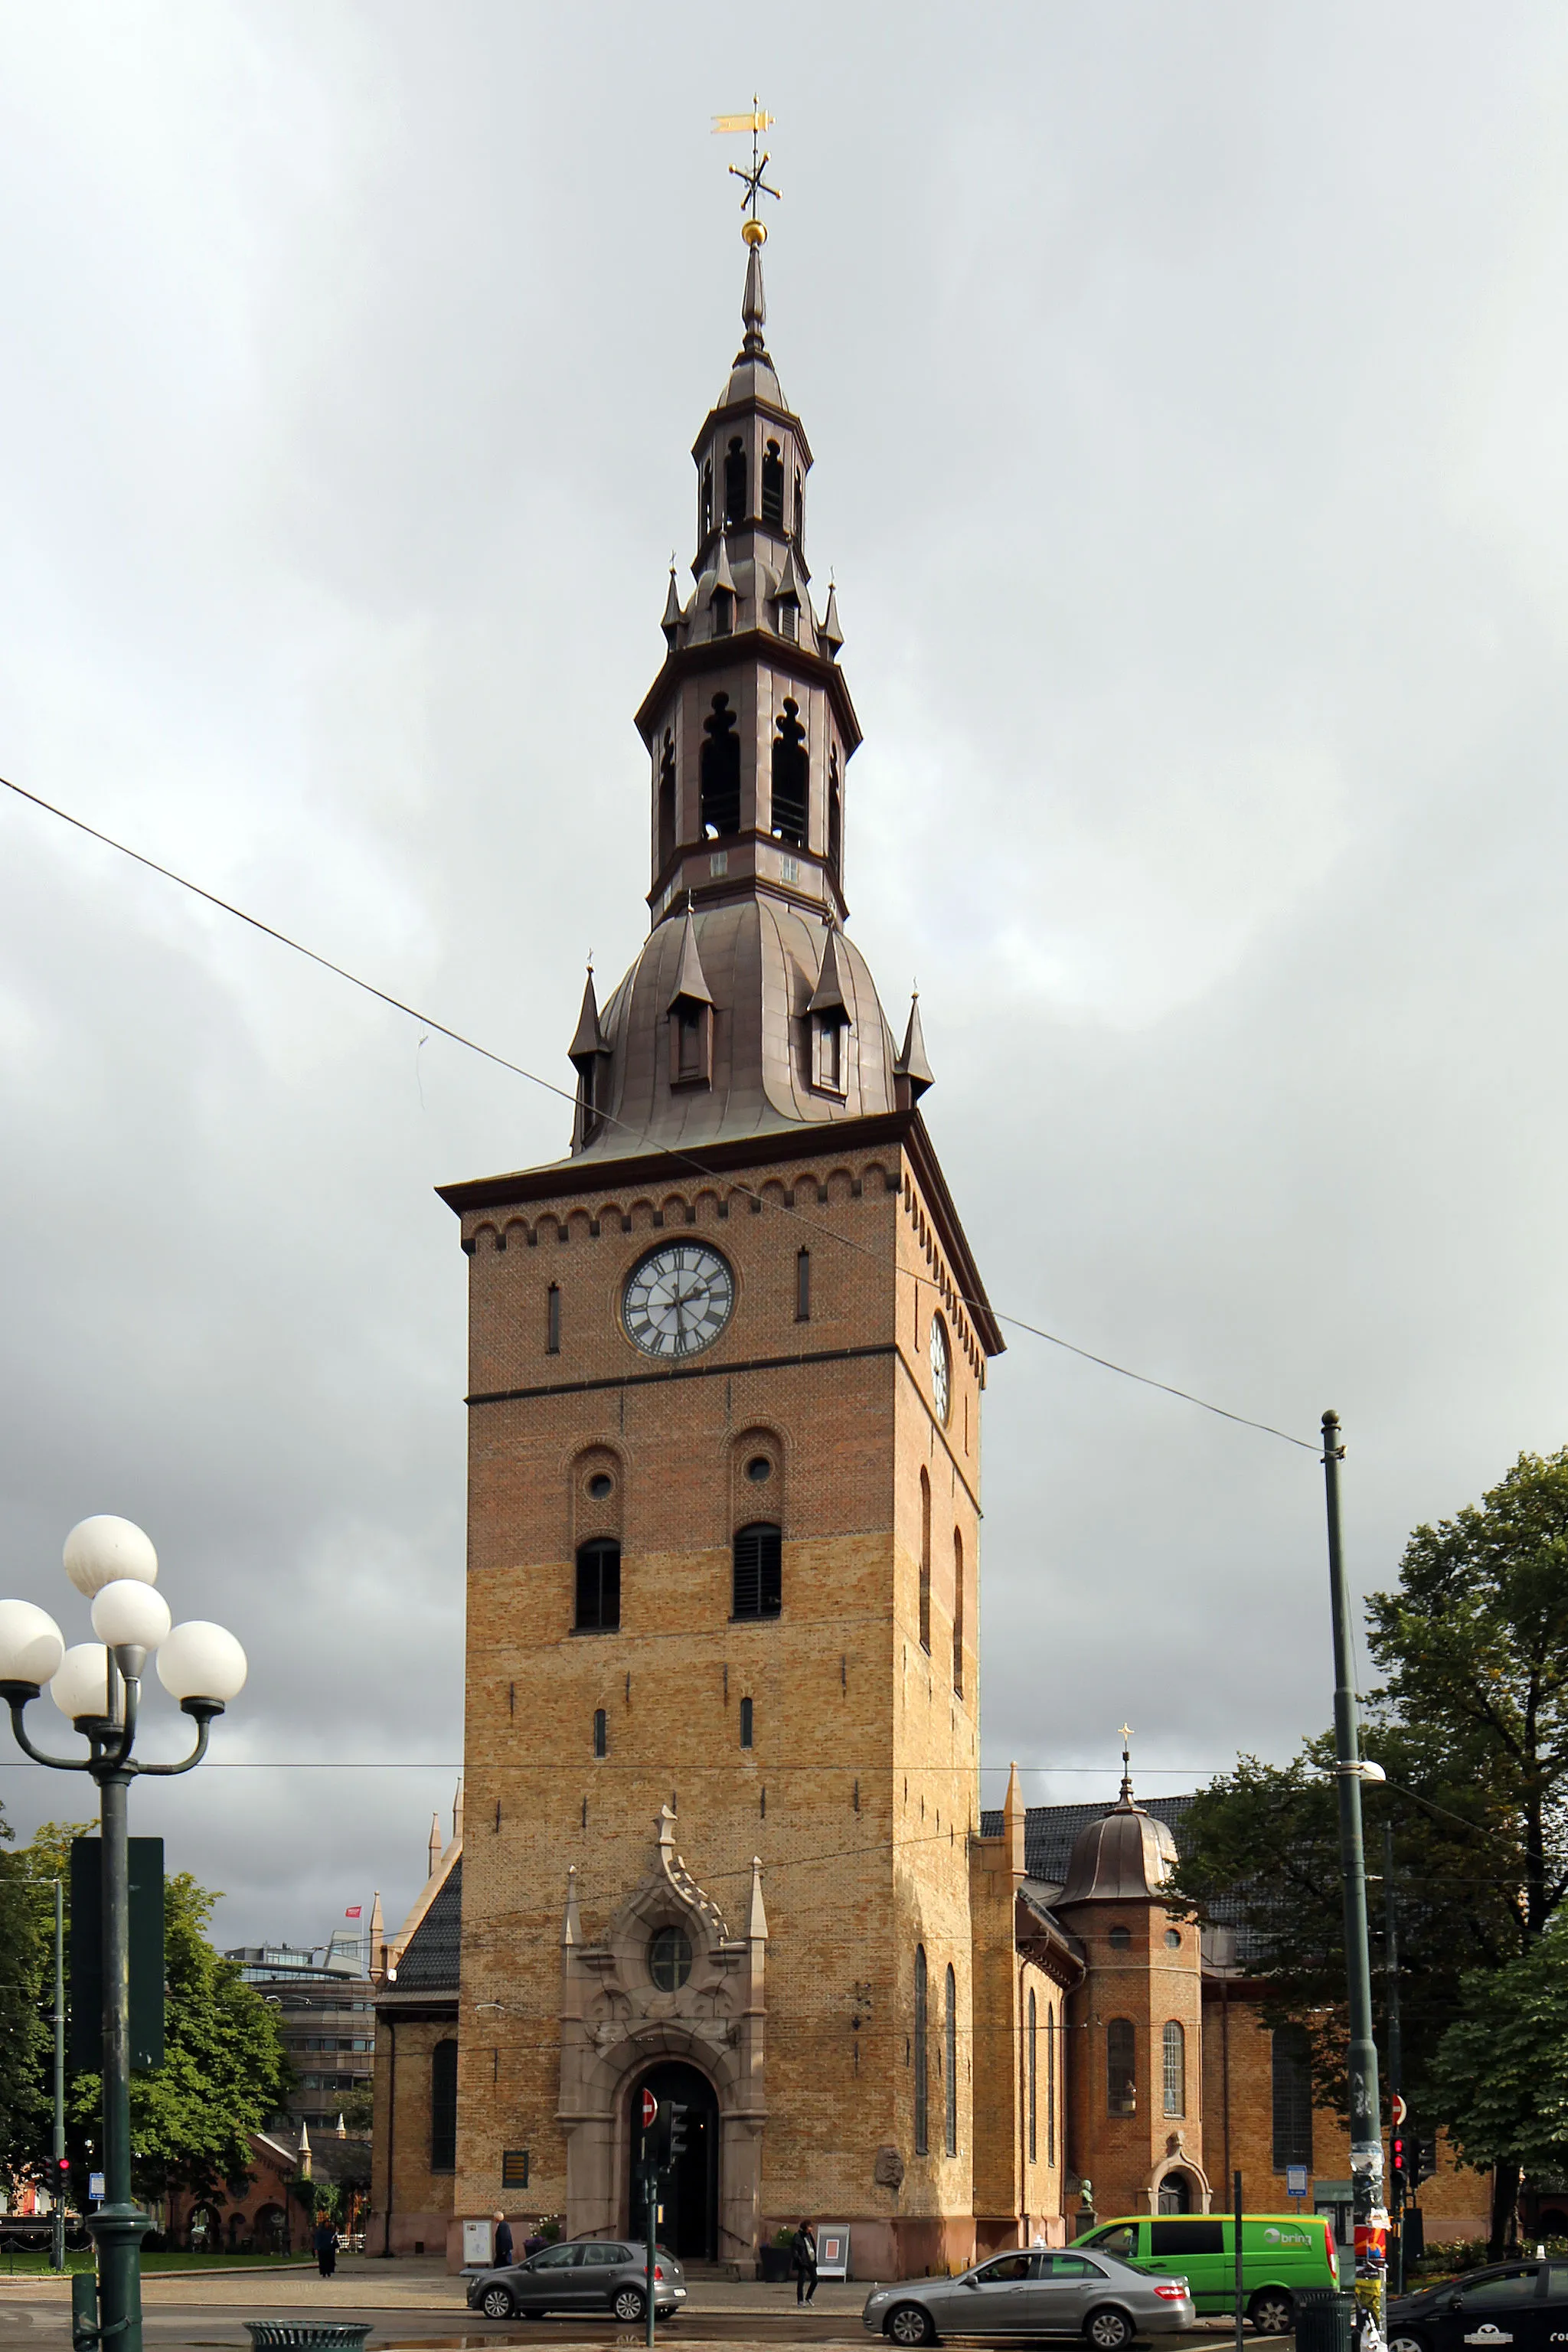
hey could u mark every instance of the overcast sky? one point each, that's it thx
(1186, 385)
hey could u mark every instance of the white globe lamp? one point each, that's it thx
(79, 1686)
(31, 1645)
(126, 1611)
(107, 1550)
(202, 1665)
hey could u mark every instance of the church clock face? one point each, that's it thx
(940, 1369)
(677, 1299)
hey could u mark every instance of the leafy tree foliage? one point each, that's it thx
(1470, 1724)
(25, 2037)
(223, 2072)
(1501, 2071)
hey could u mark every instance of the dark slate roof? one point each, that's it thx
(1050, 1831)
(429, 1962)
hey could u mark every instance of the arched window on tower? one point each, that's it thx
(773, 486)
(799, 514)
(1173, 2045)
(705, 501)
(1034, 2071)
(925, 1563)
(835, 816)
(735, 482)
(791, 778)
(921, 2055)
(444, 2107)
(958, 1611)
(666, 849)
(759, 1570)
(599, 1586)
(1121, 2068)
(950, 2063)
(721, 771)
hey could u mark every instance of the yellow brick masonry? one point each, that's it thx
(860, 1792)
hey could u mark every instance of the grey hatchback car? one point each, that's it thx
(584, 2274)
(1035, 2292)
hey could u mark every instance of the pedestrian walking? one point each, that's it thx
(503, 2241)
(802, 2252)
(326, 2241)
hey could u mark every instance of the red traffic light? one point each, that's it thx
(1396, 2151)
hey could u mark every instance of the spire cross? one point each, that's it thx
(756, 121)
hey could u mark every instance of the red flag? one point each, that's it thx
(352, 1912)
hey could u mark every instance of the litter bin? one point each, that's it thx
(307, 2335)
(1325, 2317)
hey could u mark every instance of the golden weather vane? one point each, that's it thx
(755, 231)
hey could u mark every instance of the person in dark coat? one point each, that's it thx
(324, 2237)
(803, 2253)
(503, 2241)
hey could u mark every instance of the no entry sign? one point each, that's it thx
(650, 2110)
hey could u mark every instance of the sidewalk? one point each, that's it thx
(412, 2284)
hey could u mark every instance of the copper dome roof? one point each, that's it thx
(1125, 1856)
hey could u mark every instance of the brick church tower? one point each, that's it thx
(726, 1366)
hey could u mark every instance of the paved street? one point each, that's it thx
(419, 2304)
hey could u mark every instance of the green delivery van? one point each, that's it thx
(1281, 2254)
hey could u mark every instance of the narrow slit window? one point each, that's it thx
(444, 2107)
(1034, 2073)
(759, 1570)
(598, 1587)
(958, 1612)
(803, 1285)
(1121, 2068)
(746, 1723)
(835, 815)
(1050, 2085)
(553, 1320)
(1292, 2091)
(1174, 2051)
(705, 501)
(601, 1732)
(950, 2064)
(921, 2056)
(666, 849)
(925, 1563)
(799, 513)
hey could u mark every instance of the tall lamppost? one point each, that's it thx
(98, 1687)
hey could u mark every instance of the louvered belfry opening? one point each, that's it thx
(772, 487)
(759, 1570)
(720, 771)
(735, 483)
(792, 777)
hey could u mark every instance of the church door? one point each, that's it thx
(690, 2190)
(1175, 2193)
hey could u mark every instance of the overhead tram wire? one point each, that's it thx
(683, 1159)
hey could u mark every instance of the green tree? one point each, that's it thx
(1470, 1724)
(224, 2070)
(1501, 2070)
(25, 2036)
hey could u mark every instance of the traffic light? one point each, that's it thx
(676, 2130)
(1399, 2180)
(1426, 2159)
(60, 2169)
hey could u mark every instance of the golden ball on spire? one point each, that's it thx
(754, 232)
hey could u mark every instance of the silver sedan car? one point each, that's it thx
(1036, 2292)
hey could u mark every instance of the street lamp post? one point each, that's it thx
(1351, 1769)
(96, 1686)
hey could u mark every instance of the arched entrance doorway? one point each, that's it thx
(690, 2224)
(1175, 2193)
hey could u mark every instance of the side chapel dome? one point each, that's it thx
(1125, 1856)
